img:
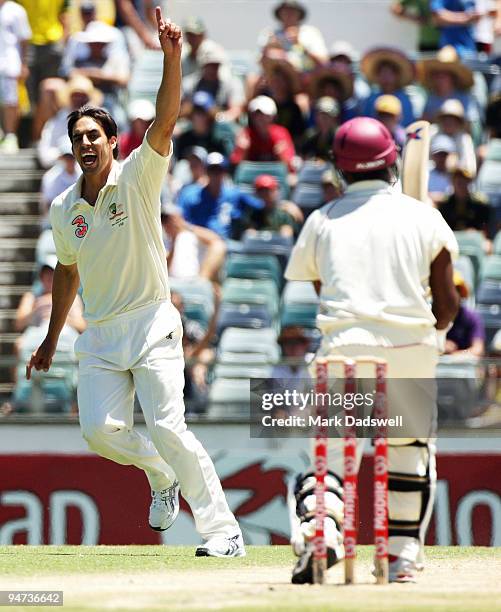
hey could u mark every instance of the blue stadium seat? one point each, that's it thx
(247, 171)
(254, 266)
(268, 243)
(489, 292)
(491, 316)
(252, 316)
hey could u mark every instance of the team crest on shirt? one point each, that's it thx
(116, 214)
(81, 226)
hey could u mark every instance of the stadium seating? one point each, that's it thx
(497, 244)
(254, 316)
(308, 193)
(491, 316)
(268, 243)
(254, 266)
(457, 388)
(248, 171)
(491, 268)
(258, 342)
(198, 297)
(471, 244)
(229, 398)
(249, 291)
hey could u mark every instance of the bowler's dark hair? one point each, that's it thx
(101, 115)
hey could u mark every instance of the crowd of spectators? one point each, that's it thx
(57, 55)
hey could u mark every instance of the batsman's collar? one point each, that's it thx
(371, 185)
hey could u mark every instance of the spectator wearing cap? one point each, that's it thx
(140, 113)
(263, 139)
(467, 334)
(444, 77)
(318, 140)
(455, 20)
(192, 251)
(419, 13)
(197, 161)
(464, 210)
(78, 50)
(451, 122)
(439, 183)
(343, 52)
(196, 42)
(62, 175)
(203, 130)
(303, 44)
(273, 216)
(78, 91)
(15, 33)
(216, 205)
(226, 89)
(106, 66)
(389, 71)
(389, 112)
(282, 82)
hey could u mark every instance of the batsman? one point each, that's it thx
(376, 256)
(108, 238)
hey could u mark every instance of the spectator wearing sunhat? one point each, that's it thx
(466, 337)
(389, 111)
(444, 77)
(203, 130)
(296, 355)
(389, 71)
(195, 41)
(140, 114)
(263, 139)
(439, 182)
(107, 66)
(318, 140)
(217, 205)
(464, 210)
(227, 90)
(451, 121)
(303, 43)
(78, 91)
(334, 80)
(455, 20)
(282, 82)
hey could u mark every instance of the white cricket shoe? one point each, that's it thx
(164, 507)
(219, 546)
(402, 570)
(9, 144)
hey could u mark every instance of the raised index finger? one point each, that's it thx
(158, 15)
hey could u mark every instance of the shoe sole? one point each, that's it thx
(168, 526)
(204, 552)
(306, 576)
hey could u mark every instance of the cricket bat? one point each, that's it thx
(415, 161)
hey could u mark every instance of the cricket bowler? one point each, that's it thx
(108, 238)
(373, 255)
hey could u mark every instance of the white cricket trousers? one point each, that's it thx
(142, 351)
(416, 463)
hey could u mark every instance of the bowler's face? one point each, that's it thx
(91, 147)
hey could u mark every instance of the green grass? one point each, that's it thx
(149, 578)
(43, 560)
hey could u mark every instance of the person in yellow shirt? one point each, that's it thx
(49, 26)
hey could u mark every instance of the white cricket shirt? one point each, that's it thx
(372, 250)
(117, 243)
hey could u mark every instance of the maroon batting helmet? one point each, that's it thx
(363, 144)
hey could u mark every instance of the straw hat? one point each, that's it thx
(79, 84)
(274, 60)
(446, 60)
(370, 62)
(337, 72)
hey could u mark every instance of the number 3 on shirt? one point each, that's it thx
(82, 226)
